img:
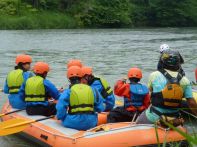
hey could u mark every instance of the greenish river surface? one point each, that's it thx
(111, 52)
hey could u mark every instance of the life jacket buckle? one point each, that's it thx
(170, 87)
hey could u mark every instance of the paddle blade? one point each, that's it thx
(119, 103)
(5, 128)
(2, 115)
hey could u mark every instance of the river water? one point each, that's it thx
(111, 52)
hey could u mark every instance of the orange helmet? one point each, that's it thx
(86, 70)
(135, 73)
(41, 67)
(74, 71)
(74, 62)
(23, 59)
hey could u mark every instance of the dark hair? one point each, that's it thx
(41, 75)
(74, 80)
(134, 80)
(20, 66)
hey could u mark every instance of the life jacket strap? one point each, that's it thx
(35, 96)
(81, 112)
(170, 78)
(14, 87)
(81, 106)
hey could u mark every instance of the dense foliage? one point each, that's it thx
(32, 14)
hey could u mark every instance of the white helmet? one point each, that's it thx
(164, 47)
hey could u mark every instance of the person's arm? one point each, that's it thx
(5, 88)
(189, 96)
(97, 85)
(150, 81)
(122, 89)
(63, 104)
(146, 103)
(192, 105)
(51, 89)
(98, 101)
(110, 102)
(22, 91)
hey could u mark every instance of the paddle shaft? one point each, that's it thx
(134, 117)
(189, 114)
(11, 112)
(28, 122)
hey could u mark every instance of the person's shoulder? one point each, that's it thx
(28, 74)
(185, 81)
(65, 92)
(155, 74)
(47, 82)
(96, 82)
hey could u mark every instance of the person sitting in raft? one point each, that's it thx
(168, 86)
(77, 106)
(74, 62)
(101, 85)
(163, 48)
(136, 97)
(37, 90)
(16, 78)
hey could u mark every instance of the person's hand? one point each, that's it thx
(142, 108)
(131, 109)
(124, 80)
(50, 100)
(61, 89)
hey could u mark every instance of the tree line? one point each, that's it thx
(111, 13)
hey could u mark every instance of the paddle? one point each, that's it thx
(13, 126)
(134, 117)
(3, 114)
(119, 103)
(189, 114)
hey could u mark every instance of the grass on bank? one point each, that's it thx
(190, 136)
(41, 20)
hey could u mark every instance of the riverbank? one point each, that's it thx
(43, 20)
(34, 14)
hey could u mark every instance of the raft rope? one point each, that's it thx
(189, 114)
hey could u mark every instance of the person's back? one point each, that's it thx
(15, 79)
(168, 86)
(136, 97)
(77, 106)
(37, 90)
(101, 85)
(158, 83)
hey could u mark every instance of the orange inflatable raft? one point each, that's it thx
(51, 133)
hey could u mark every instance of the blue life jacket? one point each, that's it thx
(138, 93)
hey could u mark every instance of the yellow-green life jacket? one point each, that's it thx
(15, 80)
(107, 90)
(35, 90)
(81, 99)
